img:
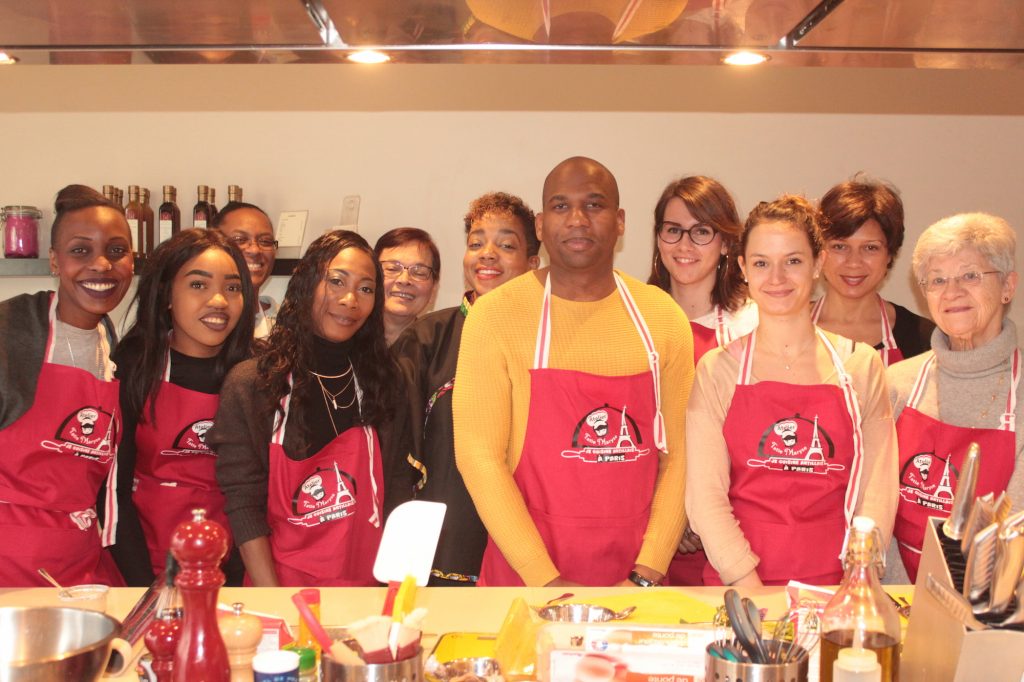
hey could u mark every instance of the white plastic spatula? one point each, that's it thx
(409, 542)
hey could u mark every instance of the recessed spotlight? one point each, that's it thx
(745, 59)
(6, 59)
(368, 57)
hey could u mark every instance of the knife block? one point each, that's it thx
(939, 647)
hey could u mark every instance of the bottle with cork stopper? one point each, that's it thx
(199, 545)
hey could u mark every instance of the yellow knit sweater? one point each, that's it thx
(492, 398)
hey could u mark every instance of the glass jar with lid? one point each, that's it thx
(21, 231)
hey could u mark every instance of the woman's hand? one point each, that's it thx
(259, 562)
(751, 579)
(690, 543)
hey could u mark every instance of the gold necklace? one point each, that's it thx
(333, 397)
(97, 366)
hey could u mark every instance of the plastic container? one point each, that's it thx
(21, 231)
(856, 665)
(276, 666)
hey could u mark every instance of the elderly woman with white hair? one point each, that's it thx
(966, 388)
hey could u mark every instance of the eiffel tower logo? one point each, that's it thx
(625, 441)
(815, 452)
(945, 488)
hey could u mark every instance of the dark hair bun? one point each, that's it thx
(74, 197)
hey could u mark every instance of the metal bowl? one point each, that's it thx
(480, 669)
(45, 643)
(576, 613)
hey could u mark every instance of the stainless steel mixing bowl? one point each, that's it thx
(45, 643)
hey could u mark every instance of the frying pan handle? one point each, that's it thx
(120, 657)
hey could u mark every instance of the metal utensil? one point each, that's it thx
(1007, 570)
(981, 559)
(1017, 616)
(1002, 508)
(742, 626)
(953, 527)
(755, 622)
(901, 608)
(954, 603)
(982, 514)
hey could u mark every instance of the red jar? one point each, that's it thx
(21, 231)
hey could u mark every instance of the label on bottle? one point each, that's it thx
(199, 223)
(133, 224)
(166, 228)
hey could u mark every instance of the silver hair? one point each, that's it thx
(990, 235)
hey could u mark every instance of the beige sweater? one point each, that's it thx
(708, 463)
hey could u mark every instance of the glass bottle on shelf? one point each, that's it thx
(110, 193)
(170, 215)
(201, 211)
(234, 193)
(860, 615)
(147, 219)
(211, 200)
(133, 214)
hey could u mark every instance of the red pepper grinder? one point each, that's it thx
(199, 545)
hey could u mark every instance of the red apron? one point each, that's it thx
(324, 512)
(688, 569)
(796, 457)
(174, 469)
(48, 488)
(931, 453)
(890, 353)
(589, 463)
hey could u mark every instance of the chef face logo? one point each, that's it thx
(796, 444)
(191, 441)
(929, 481)
(324, 496)
(604, 435)
(88, 432)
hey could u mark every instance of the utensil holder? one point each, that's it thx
(720, 670)
(939, 647)
(406, 670)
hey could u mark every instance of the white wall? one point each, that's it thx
(421, 168)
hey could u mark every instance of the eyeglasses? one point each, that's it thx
(242, 241)
(968, 280)
(417, 272)
(700, 234)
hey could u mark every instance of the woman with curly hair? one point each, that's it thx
(296, 433)
(192, 325)
(789, 428)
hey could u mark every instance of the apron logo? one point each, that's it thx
(87, 433)
(324, 496)
(928, 480)
(606, 435)
(192, 440)
(796, 444)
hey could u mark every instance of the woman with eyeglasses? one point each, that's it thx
(696, 229)
(296, 433)
(863, 235)
(789, 429)
(191, 326)
(966, 389)
(249, 227)
(412, 269)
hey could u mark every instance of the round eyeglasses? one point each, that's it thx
(417, 272)
(700, 234)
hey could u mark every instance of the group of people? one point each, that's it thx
(721, 423)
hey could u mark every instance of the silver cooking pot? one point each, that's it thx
(47, 643)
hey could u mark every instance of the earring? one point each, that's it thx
(1006, 299)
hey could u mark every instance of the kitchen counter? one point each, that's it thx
(450, 609)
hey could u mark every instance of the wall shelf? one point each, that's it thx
(40, 267)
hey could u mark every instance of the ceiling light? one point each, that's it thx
(6, 59)
(368, 57)
(745, 59)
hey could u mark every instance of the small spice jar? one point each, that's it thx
(21, 231)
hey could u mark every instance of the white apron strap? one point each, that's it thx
(917, 392)
(542, 349)
(816, 309)
(888, 340)
(1008, 421)
(375, 517)
(746, 361)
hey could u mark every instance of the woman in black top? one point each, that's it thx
(296, 432)
(191, 327)
(863, 231)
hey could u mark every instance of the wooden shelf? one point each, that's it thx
(40, 267)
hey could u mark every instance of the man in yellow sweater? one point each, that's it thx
(569, 404)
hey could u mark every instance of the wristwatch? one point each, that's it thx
(638, 579)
